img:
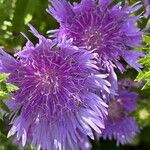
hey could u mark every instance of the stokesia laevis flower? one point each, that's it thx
(147, 8)
(55, 106)
(97, 26)
(120, 125)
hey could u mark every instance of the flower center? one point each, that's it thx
(48, 80)
(115, 110)
(92, 38)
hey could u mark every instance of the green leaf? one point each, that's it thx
(147, 40)
(23, 13)
(11, 87)
(147, 85)
(145, 60)
(3, 77)
(3, 136)
(4, 95)
(1, 117)
(145, 49)
(3, 106)
(3, 86)
(143, 75)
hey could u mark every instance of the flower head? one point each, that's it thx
(147, 8)
(56, 97)
(120, 125)
(108, 30)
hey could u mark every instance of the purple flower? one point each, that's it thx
(56, 106)
(147, 8)
(109, 30)
(147, 2)
(119, 125)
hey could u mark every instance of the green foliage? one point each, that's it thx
(3, 77)
(14, 17)
(5, 90)
(147, 40)
(11, 88)
(145, 73)
(142, 114)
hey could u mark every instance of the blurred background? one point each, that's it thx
(14, 17)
